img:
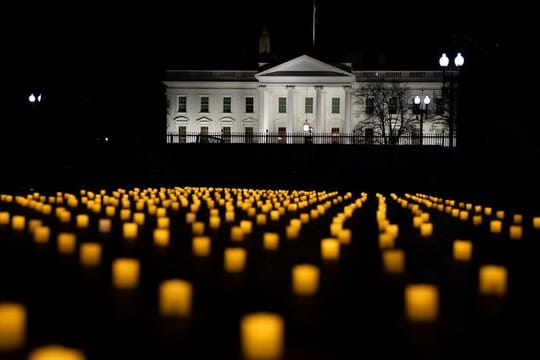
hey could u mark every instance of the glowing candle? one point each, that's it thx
(426, 229)
(478, 208)
(462, 250)
(344, 236)
(247, 226)
(304, 218)
(495, 226)
(66, 242)
(33, 224)
(330, 249)
(90, 254)
(42, 234)
(125, 273)
(190, 217)
(175, 298)
(477, 220)
(234, 259)
(500, 214)
(262, 336)
(463, 215)
(237, 233)
(421, 302)
(261, 219)
(314, 214)
(130, 230)
(455, 213)
(197, 228)
(163, 222)
(518, 218)
(4, 218)
(104, 225)
(516, 232)
(536, 222)
(487, 211)
(229, 216)
(139, 218)
(274, 215)
(417, 221)
(47, 209)
(392, 230)
(161, 237)
(161, 212)
(110, 210)
(201, 245)
(335, 228)
(305, 279)
(270, 241)
(18, 222)
(393, 261)
(492, 280)
(56, 352)
(214, 222)
(82, 221)
(251, 212)
(12, 326)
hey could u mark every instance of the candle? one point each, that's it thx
(4, 218)
(516, 232)
(56, 352)
(536, 222)
(18, 222)
(163, 222)
(262, 336)
(270, 241)
(426, 229)
(291, 232)
(477, 220)
(499, 214)
(462, 250)
(110, 210)
(274, 215)
(386, 241)
(304, 218)
(392, 230)
(90, 254)
(125, 214)
(47, 209)
(487, 211)
(130, 231)
(234, 259)
(492, 280)
(237, 233)
(201, 245)
(478, 208)
(421, 302)
(214, 222)
(66, 242)
(197, 228)
(104, 225)
(335, 228)
(518, 218)
(82, 221)
(344, 236)
(393, 261)
(417, 221)
(251, 212)
(314, 214)
(125, 273)
(305, 279)
(229, 216)
(12, 326)
(463, 215)
(161, 237)
(139, 218)
(33, 224)
(261, 219)
(247, 226)
(175, 298)
(161, 212)
(495, 226)
(42, 234)
(190, 218)
(330, 249)
(455, 213)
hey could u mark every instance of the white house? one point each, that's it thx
(288, 98)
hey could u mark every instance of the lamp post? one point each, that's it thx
(444, 62)
(307, 133)
(422, 109)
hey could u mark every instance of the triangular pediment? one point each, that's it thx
(304, 66)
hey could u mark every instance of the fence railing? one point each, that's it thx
(308, 138)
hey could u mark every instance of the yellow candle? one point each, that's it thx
(90, 254)
(421, 302)
(314, 214)
(237, 233)
(175, 298)
(47, 209)
(130, 231)
(478, 208)
(463, 215)
(335, 228)
(197, 228)
(455, 213)
(235, 259)
(18, 222)
(516, 232)
(161, 237)
(344, 236)
(33, 224)
(105, 225)
(274, 215)
(66, 242)
(12, 326)
(125, 273)
(462, 250)
(262, 336)
(304, 218)
(417, 221)
(488, 211)
(214, 222)
(190, 217)
(426, 229)
(291, 232)
(261, 219)
(270, 241)
(330, 249)
(161, 212)
(110, 210)
(201, 245)
(82, 221)
(536, 222)
(518, 218)
(247, 226)
(477, 220)
(4, 218)
(125, 214)
(305, 279)
(229, 216)
(139, 218)
(393, 261)
(163, 222)
(56, 352)
(492, 280)
(42, 234)
(500, 214)
(495, 226)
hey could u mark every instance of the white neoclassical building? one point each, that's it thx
(289, 98)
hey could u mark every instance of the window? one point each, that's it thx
(282, 105)
(439, 106)
(370, 106)
(309, 105)
(204, 134)
(182, 134)
(227, 104)
(392, 106)
(282, 135)
(226, 135)
(204, 103)
(182, 104)
(335, 105)
(249, 105)
(249, 135)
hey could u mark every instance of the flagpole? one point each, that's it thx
(314, 10)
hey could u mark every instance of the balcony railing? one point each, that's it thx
(308, 138)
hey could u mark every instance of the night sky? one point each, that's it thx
(102, 64)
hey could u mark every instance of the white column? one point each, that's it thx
(348, 126)
(290, 108)
(319, 127)
(262, 119)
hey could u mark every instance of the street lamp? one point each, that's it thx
(444, 62)
(422, 108)
(34, 99)
(307, 133)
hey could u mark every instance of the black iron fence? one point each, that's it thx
(308, 138)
